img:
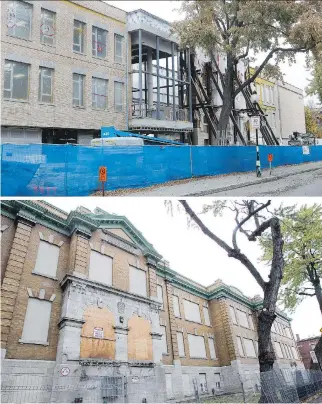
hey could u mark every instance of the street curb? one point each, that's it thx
(249, 183)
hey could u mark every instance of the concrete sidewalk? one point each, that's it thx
(209, 185)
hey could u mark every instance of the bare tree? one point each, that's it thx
(252, 220)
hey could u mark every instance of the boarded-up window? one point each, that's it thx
(176, 307)
(242, 319)
(197, 346)
(240, 346)
(251, 323)
(186, 384)
(164, 339)
(100, 268)
(250, 349)
(168, 384)
(138, 281)
(35, 328)
(278, 350)
(139, 339)
(288, 332)
(294, 352)
(203, 383)
(180, 344)
(233, 315)
(47, 259)
(217, 381)
(211, 342)
(191, 311)
(160, 295)
(206, 316)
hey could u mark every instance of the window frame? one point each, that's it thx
(23, 332)
(95, 30)
(82, 43)
(39, 272)
(240, 347)
(40, 93)
(164, 334)
(181, 355)
(100, 95)
(82, 77)
(186, 311)
(42, 35)
(116, 83)
(12, 62)
(131, 268)
(252, 344)
(211, 340)
(205, 309)
(233, 317)
(204, 345)
(94, 270)
(240, 318)
(120, 60)
(26, 5)
(173, 298)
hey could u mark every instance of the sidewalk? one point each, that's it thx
(208, 185)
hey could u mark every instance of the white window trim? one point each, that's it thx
(94, 50)
(117, 36)
(178, 307)
(11, 82)
(15, 2)
(42, 74)
(81, 87)
(40, 273)
(53, 20)
(122, 96)
(81, 43)
(100, 95)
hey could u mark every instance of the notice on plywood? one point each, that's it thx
(98, 333)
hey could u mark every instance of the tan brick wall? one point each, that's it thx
(15, 349)
(62, 114)
(7, 237)
(121, 261)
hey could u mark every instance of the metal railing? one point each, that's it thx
(166, 112)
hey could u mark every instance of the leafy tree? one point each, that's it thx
(302, 231)
(315, 86)
(310, 121)
(257, 219)
(238, 28)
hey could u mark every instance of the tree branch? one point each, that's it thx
(258, 232)
(261, 67)
(231, 251)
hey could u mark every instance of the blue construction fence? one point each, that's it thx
(72, 170)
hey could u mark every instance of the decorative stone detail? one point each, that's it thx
(52, 297)
(116, 241)
(50, 239)
(121, 330)
(41, 294)
(78, 287)
(156, 335)
(29, 292)
(120, 307)
(70, 322)
(99, 303)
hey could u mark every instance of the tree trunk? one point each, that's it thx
(227, 94)
(318, 292)
(267, 315)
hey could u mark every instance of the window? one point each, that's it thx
(45, 93)
(19, 19)
(180, 344)
(233, 315)
(191, 311)
(100, 268)
(203, 383)
(47, 259)
(242, 318)
(78, 90)
(197, 346)
(118, 96)
(186, 384)
(294, 352)
(99, 42)
(16, 81)
(118, 49)
(164, 339)
(251, 323)
(206, 316)
(99, 93)
(176, 306)
(47, 27)
(138, 281)
(240, 347)
(249, 347)
(160, 295)
(79, 36)
(211, 342)
(278, 350)
(36, 324)
(217, 381)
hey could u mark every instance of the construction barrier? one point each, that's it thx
(72, 170)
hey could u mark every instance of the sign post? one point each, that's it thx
(270, 159)
(102, 176)
(256, 124)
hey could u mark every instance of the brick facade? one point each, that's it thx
(61, 113)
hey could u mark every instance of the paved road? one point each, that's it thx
(300, 184)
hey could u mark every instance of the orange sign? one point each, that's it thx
(103, 174)
(270, 157)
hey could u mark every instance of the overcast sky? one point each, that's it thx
(193, 254)
(297, 74)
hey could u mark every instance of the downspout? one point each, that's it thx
(127, 76)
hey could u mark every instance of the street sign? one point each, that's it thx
(103, 174)
(256, 122)
(98, 333)
(306, 149)
(64, 371)
(270, 157)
